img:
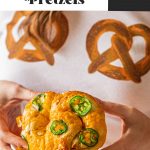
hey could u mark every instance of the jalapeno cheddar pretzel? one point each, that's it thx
(73, 120)
(121, 44)
(45, 30)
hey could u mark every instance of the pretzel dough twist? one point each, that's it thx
(121, 44)
(37, 27)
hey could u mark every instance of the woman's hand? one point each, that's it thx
(10, 90)
(136, 128)
(12, 96)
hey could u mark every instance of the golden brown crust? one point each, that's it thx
(121, 44)
(57, 107)
(38, 27)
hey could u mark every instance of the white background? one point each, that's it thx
(24, 5)
(71, 62)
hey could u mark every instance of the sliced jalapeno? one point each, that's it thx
(58, 127)
(80, 105)
(89, 137)
(38, 101)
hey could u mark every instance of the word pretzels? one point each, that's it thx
(56, 1)
(122, 42)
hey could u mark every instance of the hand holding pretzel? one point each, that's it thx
(135, 127)
(11, 97)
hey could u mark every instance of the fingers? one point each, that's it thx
(12, 139)
(13, 102)
(4, 146)
(23, 93)
(119, 145)
(10, 90)
(119, 110)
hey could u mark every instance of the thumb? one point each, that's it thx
(12, 139)
(24, 93)
(119, 110)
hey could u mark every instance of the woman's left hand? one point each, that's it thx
(12, 96)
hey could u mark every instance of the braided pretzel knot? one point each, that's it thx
(37, 30)
(121, 44)
(55, 125)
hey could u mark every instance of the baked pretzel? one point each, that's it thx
(73, 120)
(38, 27)
(121, 44)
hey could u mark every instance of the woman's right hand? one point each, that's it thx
(135, 129)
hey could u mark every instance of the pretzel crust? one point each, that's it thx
(121, 44)
(60, 109)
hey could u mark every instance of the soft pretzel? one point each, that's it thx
(73, 120)
(38, 27)
(121, 44)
